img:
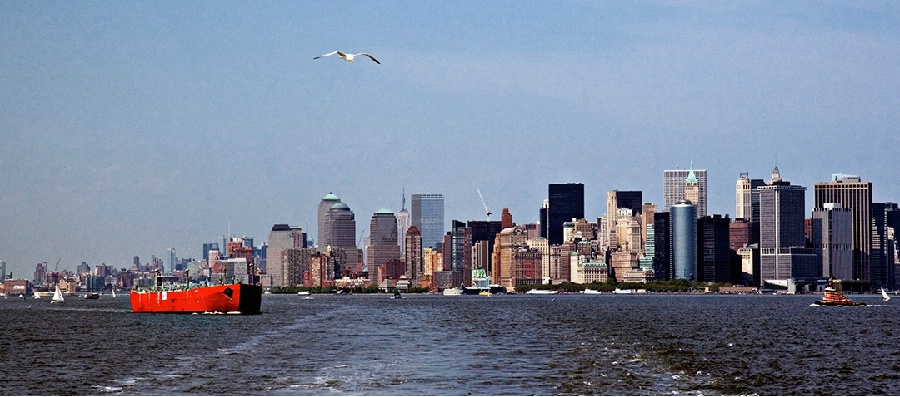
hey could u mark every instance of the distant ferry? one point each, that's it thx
(234, 298)
(540, 292)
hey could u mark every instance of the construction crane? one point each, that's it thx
(57, 265)
(484, 204)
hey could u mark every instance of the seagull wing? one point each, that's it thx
(328, 54)
(370, 57)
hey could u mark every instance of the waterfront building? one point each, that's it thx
(662, 243)
(507, 243)
(527, 266)
(340, 228)
(324, 206)
(566, 202)
(714, 253)
(783, 255)
(851, 192)
(428, 216)
(832, 234)
(281, 238)
(684, 241)
(882, 259)
(382, 242)
(675, 188)
(461, 250)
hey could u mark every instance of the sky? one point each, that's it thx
(132, 127)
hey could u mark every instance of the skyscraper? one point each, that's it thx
(428, 216)
(632, 200)
(382, 243)
(2, 270)
(684, 240)
(403, 223)
(852, 193)
(566, 202)
(832, 234)
(282, 239)
(782, 238)
(747, 197)
(675, 184)
(882, 258)
(412, 254)
(713, 250)
(324, 206)
(340, 227)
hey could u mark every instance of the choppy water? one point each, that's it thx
(437, 345)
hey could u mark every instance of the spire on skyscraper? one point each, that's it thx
(692, 177)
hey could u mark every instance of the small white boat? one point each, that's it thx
(57, 296)
(540, 292)
(303, 293)
(452, 291)
(37, 295)
(592, 291)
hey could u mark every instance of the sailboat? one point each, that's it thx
(37, 295)
(114, 293)
(57, 296)
(884, 295)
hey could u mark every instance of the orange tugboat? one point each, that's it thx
(234, 298)
(835, 297)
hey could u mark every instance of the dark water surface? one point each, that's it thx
(437, 345)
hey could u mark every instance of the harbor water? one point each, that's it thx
(425, 344)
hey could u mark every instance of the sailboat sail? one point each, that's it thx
(884, 295)
(57, 296)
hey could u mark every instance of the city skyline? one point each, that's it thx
(132, 128)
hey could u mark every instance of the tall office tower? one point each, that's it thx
(282, 239)
(412, 255)
(675, 184)
(684, 241)
(2, 271)
(172, 259)
(403, 223)
(324, 206)
(544, 222)
(648, 210)
(508, 242)
(506, 219)
(40, 273)
(340, 227)
(616, 201)
(782, 238)
(852, 193)
(428, 216)
(382, 242)
(893, 241)
(484, 232)
(747, 198)
(566, 202)
(882, 259)
(662, 243)
(714, 252)
(832, 234)
(461, 250)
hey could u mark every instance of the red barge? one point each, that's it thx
(237, 298)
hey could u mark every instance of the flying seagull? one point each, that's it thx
(348, 57)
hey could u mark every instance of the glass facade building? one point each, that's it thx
(428, 216)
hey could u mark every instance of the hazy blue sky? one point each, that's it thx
(131, 127)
